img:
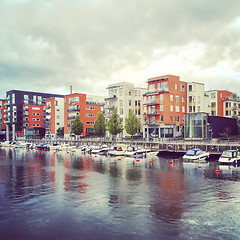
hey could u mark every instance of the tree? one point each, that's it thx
(77, 126)
(60, 132)
(238, 122)
(100, 125)
(114, 124)
(132, 124)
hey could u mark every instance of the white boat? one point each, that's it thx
(55, 147)
(100, 149)
(229, 157)
(118, 150)
(196, 154)
(136, 151)
(7, 143)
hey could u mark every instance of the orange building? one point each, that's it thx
(32, 121)
(165, 104)
(217, 98)
(85, 106)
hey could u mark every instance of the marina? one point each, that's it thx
(67, 195)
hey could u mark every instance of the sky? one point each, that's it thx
(48, 45)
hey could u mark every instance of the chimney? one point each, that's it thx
(70, 89)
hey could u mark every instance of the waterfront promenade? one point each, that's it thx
(178, 146)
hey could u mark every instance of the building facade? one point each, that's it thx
(216, 99)
(53, 116)
(15, 112)
(86, 107)
(2, 119)
(165, 104)
(124, 97)
(197, 100)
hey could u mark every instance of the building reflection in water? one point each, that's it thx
(169, 197)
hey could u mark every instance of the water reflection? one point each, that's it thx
(148, 200)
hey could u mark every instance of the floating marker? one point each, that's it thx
(172, 165)
(72, 153)
(27, 150)
(95, 156)
(137, 160)
(67, 152)
(41, 151)
(38, 151)
(199, 167)
(151, 161)
(217, 171)
(119, 159)
(111, 156)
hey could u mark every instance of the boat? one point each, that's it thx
(7, 143)
(117, 150)
(55, 147)
(196, 154)
(229, 157)
(103, 149)
(136, 151)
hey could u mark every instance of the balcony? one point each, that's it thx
(69, 125)
(156, 91)
(46, 120)
(150, 122)
(73, 109)
(71, 117)
(151, 102)
(109, 106)
(156, 112)
(111, 98)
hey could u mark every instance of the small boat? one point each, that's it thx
(55, 147)
(43, 146)
(103, 149)
(196, 154)
(118, 150)
(136, 151)
(229, 157)
(7, 143)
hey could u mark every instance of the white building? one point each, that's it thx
(54, 116)
(124, 97)
(197, 101)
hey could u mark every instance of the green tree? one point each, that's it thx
(60, 132)
(77, 126)
(114, 124)
(238, 122)
(132, 124)
(100, 125)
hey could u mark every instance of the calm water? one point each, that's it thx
(64, 196)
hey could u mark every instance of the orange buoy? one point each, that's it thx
(199, 167)
(170, 162)
(151, 161)
(217, 171)
(137, 160)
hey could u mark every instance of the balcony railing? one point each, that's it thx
(71, 117)
(156, 91)
(109, 106)
(73, 109)
(156, 112)
(111, 98)
(151, 102)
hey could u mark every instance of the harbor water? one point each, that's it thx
(48, 195)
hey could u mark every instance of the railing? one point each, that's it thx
(156, 91)
(156, 112)
(71, 117)
(151, 102)
(73, 110)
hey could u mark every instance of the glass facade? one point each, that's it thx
(195, 126)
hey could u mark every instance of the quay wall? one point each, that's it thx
(181, 147)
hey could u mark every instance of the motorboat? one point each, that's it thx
(43, 146)
(117, 150)
(136, 151)
(103, 149)
(55, 147)
(229, 157)
(7, 143)
(196, 154)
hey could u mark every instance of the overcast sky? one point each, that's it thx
(48, 45)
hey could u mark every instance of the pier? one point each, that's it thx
(214, 147)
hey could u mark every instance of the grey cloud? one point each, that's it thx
(84, 42)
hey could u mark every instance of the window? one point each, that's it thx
(182, 88)
(190, 99)
(213, 95)
(136, 103)
(177, 118)
(183, 99)
(175, 86)
(34, 99)
(161, 107)
(161, 97)
(90, 115)
(73, 99)
(130, 102)
(56, 103)
(90, 108)
(183, 109)
(151, 87)
(58, 117)
(177, 108)
(35, 108)
(130, 93)
(13, 98)
(26, 99)
(190, 109)
(190, 88)
(171, 98)
(177, 98)
(161, 118)
(171, 108)
(164, 86)
(90, 123)
(171, 118)
(121, 111)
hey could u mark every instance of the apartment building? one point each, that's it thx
(216, 99)
(231, 107)
(165, 104)
(197, 100)
(15, 112)
(87, 107)
(2, 119)
(53, 116)
(124, 97)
